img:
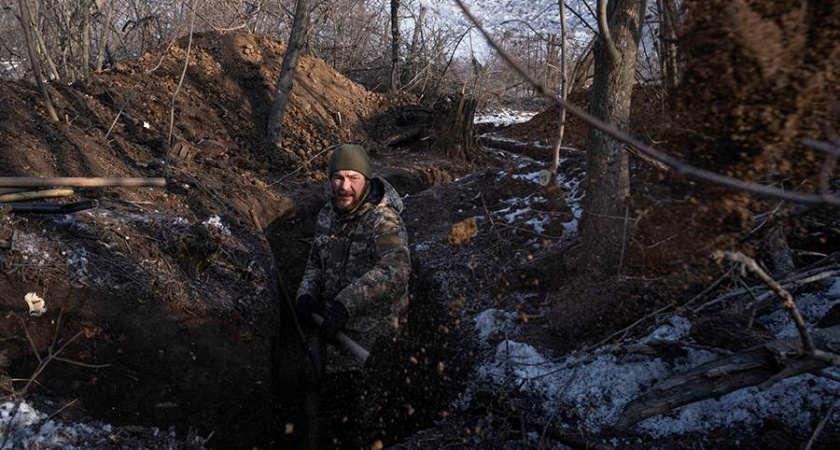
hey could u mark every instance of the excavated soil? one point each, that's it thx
(180, 294)
(174, 290)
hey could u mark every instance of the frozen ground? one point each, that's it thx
(24, 427)
(504, 117)
(588, 391)
(522, 210)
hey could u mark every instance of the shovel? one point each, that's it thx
(354, 348)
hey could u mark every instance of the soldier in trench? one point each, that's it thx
(357, 274)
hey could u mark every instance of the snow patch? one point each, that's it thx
(24, 427)
(592, 389)
(30, 247)
(504, 117)
(812, 306)
(495, 322)
(216, 222)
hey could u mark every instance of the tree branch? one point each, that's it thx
(670, 161)
(789, 304)
(606, 37)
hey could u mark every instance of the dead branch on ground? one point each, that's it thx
(761, 366)
(53, 354)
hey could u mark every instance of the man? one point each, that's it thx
(359, 265)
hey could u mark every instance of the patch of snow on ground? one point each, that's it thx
(216, 222)
(812, 306)
(29, 245)
(592, 389)
(676, 328)
(533, 177)
(504, 117)
(571, 187)
(512, 216)
(574, 196)
(792, 400)
(496, 323)
(78, 259)
(24, 427)
(181, 222)
(834, 290)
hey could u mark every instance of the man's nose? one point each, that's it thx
(345, 185)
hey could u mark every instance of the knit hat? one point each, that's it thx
(350, 157)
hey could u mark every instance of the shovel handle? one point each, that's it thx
(352, 346)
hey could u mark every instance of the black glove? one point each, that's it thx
(305, 307)
(335, 318)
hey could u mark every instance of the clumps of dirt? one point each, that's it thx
(188, 259)
(463, 231)
(645, 116)
(759, 77)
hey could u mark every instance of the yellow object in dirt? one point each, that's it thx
(32, 195)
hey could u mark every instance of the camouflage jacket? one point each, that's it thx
(361, 259)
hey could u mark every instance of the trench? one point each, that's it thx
(412, 382)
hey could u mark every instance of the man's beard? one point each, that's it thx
(355, 200)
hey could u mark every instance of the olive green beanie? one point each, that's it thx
(350, 157)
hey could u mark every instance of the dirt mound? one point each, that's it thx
(760, 76)
(645, 114)
(173, 289)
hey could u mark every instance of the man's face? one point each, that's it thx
(348, 187)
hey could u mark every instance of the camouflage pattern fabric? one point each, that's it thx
(361, 258)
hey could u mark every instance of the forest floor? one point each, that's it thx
(177, 292)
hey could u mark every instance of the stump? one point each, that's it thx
(454, 122)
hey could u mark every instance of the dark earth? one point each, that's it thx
(178, 292)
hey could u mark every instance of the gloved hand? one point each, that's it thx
(305, 307)
(335, 318)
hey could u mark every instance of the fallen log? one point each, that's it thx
(407, 134)
(529, 148)
(38, 182)
(771, 362)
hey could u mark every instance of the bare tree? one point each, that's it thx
(103, 38)
(33, 58)
(564, 92)
(287, 72)
(608, 172)
(413, 50)
(85, 13)
(667, 44)
(395, 45)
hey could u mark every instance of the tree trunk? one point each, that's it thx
(287, 73)
(454, 122)
(103, 39)
(608, 177)
(85, 5)
(564, 92)
(42, 47)
(33, 57)
(395, 45)
(411, 61)
(667, 45)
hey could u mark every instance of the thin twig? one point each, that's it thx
(821, 425)
(178, 88)
(305, 164)
(119, 113)
(668, 160)
(752, 266)
(623, 332)
(490, 216)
